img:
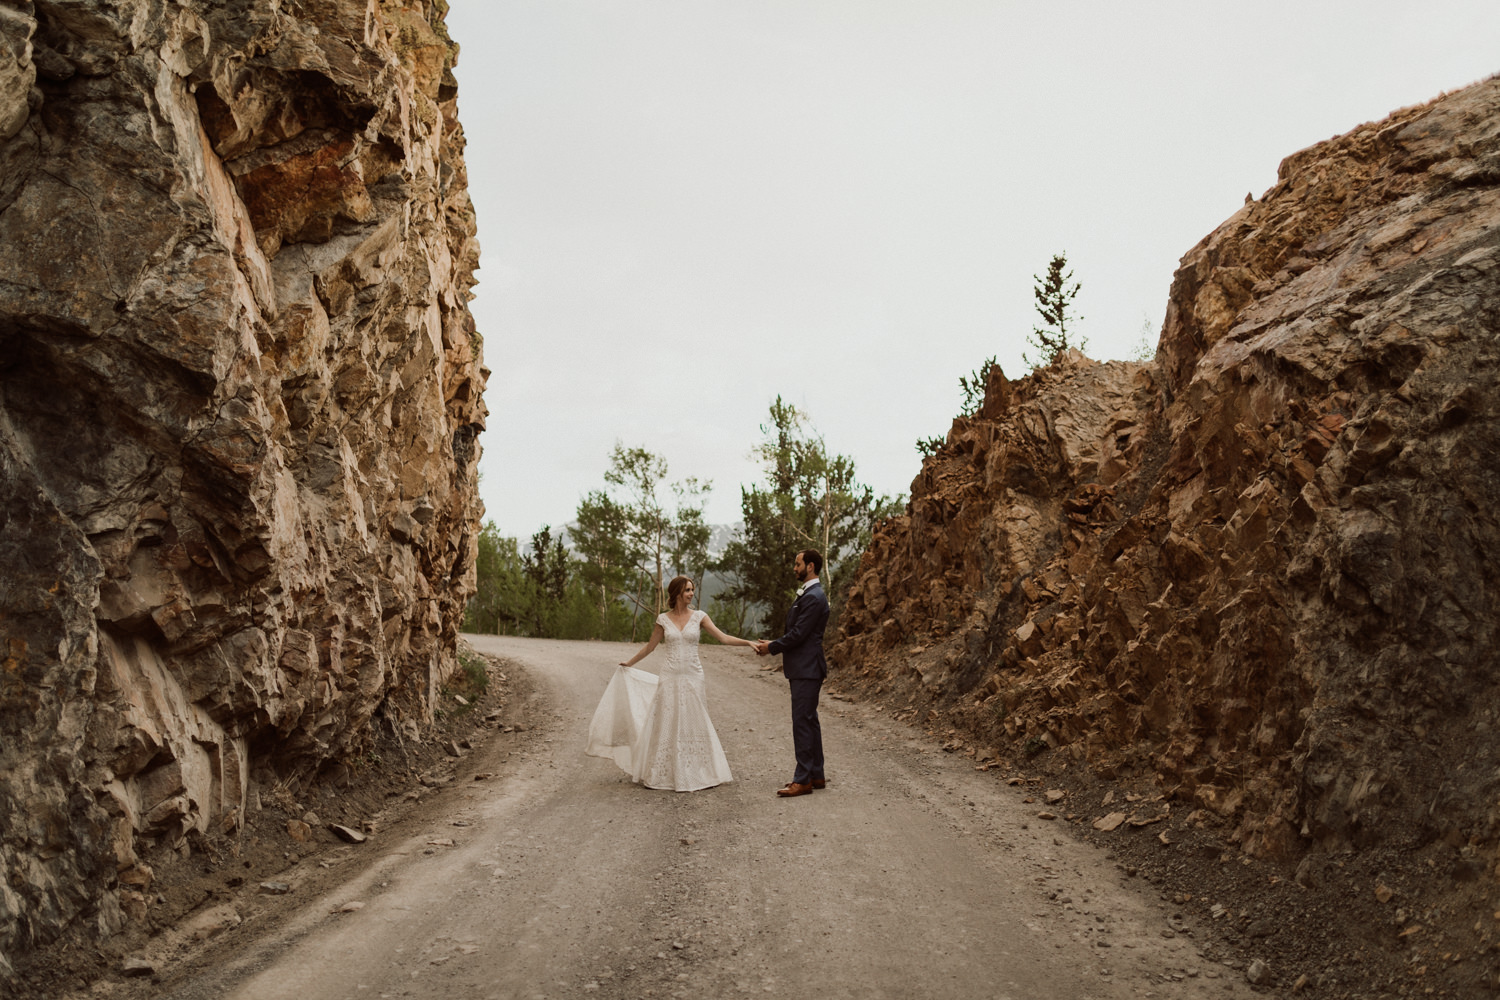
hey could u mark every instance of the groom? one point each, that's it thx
(803, 664)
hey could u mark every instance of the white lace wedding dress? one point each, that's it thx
(656, 727)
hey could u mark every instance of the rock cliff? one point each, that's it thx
(239, 401)
(1260, 571)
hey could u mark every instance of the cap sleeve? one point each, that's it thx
(661, 619)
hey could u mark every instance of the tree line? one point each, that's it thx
(630, 537)
(639, 529)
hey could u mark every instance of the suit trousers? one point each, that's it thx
(807, 734)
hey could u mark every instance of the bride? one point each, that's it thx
(656, 728)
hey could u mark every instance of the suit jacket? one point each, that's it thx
(801, 648)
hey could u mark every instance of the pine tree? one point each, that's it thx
(811, 500)
(1054, 303)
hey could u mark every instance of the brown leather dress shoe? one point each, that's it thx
(819, 783)
(794, 789)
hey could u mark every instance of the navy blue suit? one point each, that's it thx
(802, 662)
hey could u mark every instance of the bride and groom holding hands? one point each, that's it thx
(656, 726)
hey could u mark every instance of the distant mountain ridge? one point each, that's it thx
(719, 537)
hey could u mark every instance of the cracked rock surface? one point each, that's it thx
(1256, 575)
(239, 401)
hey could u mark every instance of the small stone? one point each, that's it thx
(1046, 815)
(1383, 893)
(138, 875)
(311, 819)
(483, 775)
(1109, 822)
(441, 842)
(451, 749)
(461, 700)
(1259, 974)
(347, 834)
(1261, 928)
(298, 831)
(207, 923)
(275, 888)
(1300, 984)
(137, 966)
(352, 906)
(1055, 795)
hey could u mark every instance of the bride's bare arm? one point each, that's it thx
(723, 637)
(645, 651)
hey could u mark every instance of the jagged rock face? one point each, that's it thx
(239, 399)
(1260, 569)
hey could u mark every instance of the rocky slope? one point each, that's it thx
(239, 400)
(1257, 574)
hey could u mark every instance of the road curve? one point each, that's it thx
(910, 876)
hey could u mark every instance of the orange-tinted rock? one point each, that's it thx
(1258, 570)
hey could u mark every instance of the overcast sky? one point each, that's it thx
(687, 208)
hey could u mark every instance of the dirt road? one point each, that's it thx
(910, 876)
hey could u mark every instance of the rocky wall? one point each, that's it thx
(1259, 571)
(239, 402)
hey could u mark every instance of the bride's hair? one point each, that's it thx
(675, 589)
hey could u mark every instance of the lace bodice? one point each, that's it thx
(681, 645)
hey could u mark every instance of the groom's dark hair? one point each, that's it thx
(813, 559)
